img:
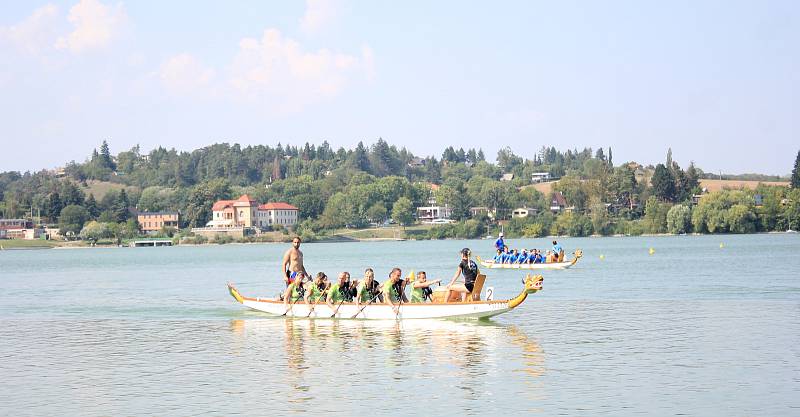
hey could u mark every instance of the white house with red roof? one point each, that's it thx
(246, 212)
(282, 214)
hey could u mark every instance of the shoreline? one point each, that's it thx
(64, 246)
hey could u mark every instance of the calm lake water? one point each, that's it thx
(694, 329)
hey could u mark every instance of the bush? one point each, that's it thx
(679, 219)
(223, 238)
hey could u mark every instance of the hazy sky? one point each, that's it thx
(718, 81)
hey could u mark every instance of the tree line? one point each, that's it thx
(370, 184)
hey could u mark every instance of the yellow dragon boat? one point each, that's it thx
(469, 309)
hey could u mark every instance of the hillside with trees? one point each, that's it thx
(370, 184)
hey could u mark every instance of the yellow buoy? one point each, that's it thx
(721, 246)
(602, 257)
(652, 251)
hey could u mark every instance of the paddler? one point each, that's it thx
(469, 269)
(294, 291)
(316, 292)
(420, 290)
(293, 262)
(393, 290)
(368, 289)
(338, 291)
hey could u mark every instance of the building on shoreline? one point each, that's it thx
(245, 216)
(155, 221)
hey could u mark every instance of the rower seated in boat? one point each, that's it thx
(498, 258)
(335, 292)
(368, 290)
(420, 289)
(316, 291)
(393, 290)
(296, 290)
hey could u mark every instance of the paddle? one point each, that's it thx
(337, 308)
(315, 303)
(292, 303)
(366, 305)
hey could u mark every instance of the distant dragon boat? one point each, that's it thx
(469, 309)
(550, 265)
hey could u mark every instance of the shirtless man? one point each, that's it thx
(293, 262)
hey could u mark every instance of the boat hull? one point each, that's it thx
(375, 311)
(552, 265)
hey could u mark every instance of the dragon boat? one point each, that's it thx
(488, 263)
(468, 309)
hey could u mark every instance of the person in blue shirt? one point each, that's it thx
(500, 244)
(514, 256)
(504, 259)
(558, 252)
(498, 259)
(523, 257)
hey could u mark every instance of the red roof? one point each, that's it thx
(277, 206)
(221, 205)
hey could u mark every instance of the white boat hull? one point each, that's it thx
(553, 265)
(376, 311)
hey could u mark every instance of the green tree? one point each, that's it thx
(655, 215)
(796, 172)
(663, 183)
(679, 219)
(71, 220)
(105, 157)
(94, 231)
(54, 207)
(403, 211)
(377, 213)
(202, 197)
(340, 211)
(121, 206)
(91, 207)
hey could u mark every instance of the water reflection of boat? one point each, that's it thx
(376, 311)
(467, 345)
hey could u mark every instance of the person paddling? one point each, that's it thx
(391, 295)
(338, 292)
(469, 269)
(294, 292)
(293, 262)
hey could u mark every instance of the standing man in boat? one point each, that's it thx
(293, 262)
(558, 252)
(500, 244)
(469, 269)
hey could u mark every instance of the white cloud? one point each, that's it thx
(278, 68)
(95, 26)
(319, 13)
(185, 74)
(36, 32)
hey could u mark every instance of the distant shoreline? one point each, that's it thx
(4, 246)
